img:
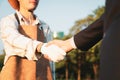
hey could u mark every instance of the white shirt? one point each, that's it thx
(16, 43)
(72, 42)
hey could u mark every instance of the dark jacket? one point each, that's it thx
(109, 26)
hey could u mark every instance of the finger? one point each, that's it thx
(51, 42)
(47, 57)
(55, 42)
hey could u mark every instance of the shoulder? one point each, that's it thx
(8, 19)
(44, 25)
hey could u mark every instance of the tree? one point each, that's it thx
(83, 23)
(92, 55)
(79, 63)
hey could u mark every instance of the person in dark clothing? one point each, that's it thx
(107, 29)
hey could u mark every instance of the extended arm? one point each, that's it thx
(83, 40)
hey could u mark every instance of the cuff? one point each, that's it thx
(31, 50)
(72, 42)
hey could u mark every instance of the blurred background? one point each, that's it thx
(66, 18)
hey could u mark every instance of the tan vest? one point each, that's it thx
(17, 68)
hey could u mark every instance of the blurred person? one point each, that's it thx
(24, 38)
(107, 29)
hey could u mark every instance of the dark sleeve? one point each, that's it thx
(88, 37)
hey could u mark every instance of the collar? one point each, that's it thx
(23, 21)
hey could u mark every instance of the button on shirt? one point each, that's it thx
(16, 43)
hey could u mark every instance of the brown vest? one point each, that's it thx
(18, 68)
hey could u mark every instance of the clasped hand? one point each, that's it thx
(53, 52)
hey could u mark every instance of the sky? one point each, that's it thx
(60, 15)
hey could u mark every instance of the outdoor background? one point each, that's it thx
(66, 18)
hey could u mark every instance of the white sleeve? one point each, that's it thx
(9, 33)
(72, 42)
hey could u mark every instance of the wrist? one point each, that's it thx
(39, 47)
(70, 45)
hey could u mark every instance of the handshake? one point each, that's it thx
(56, 49)
(53, 52)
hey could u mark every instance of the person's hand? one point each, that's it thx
(53, 52)
(65, 45)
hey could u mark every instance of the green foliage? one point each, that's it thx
(68, 64)
(83, 23)
(88, 59)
